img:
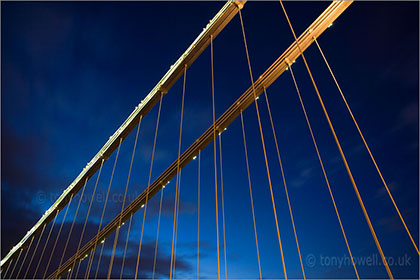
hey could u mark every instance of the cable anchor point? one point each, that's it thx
(239, 4)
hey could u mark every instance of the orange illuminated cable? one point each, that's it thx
(176, 223)
(84, 226)
(3, 276)
(80, 199)
(126, 243)
(90, 260)
(87, 216)
(367, 147)
(3, 270)
(72, 224)
(148, 185)
(223, 202)
(99, 260)
(7, 269)
(198, 216)
(215, 155)
(104, 208)
(157, 232)
(24, 258)
(177, 169)
(125, 195)
(103, 211)
(58, 236)
(250, 195)
(341, 151)
(17, 260)
(284, 182)
(177, 216)
(323, 170)
(77, 270)
(33, 255)
(263, 145)
(46, 242)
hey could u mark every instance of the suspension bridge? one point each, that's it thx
(39, 255)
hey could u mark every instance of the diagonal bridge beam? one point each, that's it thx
(214, 27)
(333, 11)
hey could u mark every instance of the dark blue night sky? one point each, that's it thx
(72, 72)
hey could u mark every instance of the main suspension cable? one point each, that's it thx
(36, 247)
(148, 185)
(367, 147)
(323, 170)
(263, 145)
(250, 194)
(341, 150)
(177, 170)
(284, 181)
(123, 204)
(46, 242)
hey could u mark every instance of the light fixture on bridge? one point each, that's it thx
(257, 98)
(194, 157)
(331, 24)
(103, 241)
(142, 206)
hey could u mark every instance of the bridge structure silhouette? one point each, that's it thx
(20, 260)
